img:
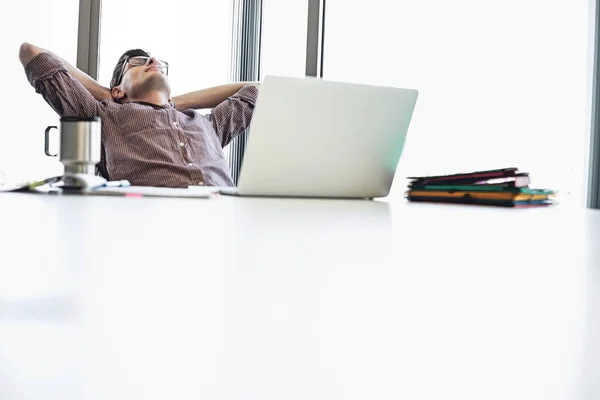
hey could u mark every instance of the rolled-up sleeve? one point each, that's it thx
(65, 94)
(233, 116)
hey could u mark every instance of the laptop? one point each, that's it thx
(311, 137)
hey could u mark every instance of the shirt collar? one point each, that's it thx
(155, 106)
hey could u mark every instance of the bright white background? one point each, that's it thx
(25, 115)
(501, 83)
(283, 40)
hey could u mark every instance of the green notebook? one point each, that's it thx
(482, 188)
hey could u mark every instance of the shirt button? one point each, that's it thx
(190, 164)
(181, 144)
(174, 123)
(201, 183)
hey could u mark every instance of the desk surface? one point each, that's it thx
(232, 298)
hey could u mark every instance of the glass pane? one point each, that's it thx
(501, 84)
(283, 39)
(194, 37)
(51, 25)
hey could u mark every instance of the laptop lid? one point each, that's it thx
(317, 138)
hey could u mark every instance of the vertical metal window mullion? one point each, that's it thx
(88, 36)
(315, 38)
(593, 195)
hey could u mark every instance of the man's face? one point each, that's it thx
(141, 74)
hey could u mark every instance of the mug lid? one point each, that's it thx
(79, 119)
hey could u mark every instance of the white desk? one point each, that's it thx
(229, 298)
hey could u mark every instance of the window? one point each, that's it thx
(51, 25)
(501, 84)
(194, 37)
(283, 39)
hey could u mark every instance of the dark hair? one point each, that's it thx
(116, 77)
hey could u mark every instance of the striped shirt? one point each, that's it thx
(149, 145)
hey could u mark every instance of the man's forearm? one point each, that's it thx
(28, 52)
(98, 91)
(208, 98)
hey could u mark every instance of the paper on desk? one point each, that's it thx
(150, 191)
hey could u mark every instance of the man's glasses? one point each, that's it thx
(142, 60)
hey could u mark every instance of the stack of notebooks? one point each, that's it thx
(506, 187)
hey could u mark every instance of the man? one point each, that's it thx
(148, 137)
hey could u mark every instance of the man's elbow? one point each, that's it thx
(27, 52)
